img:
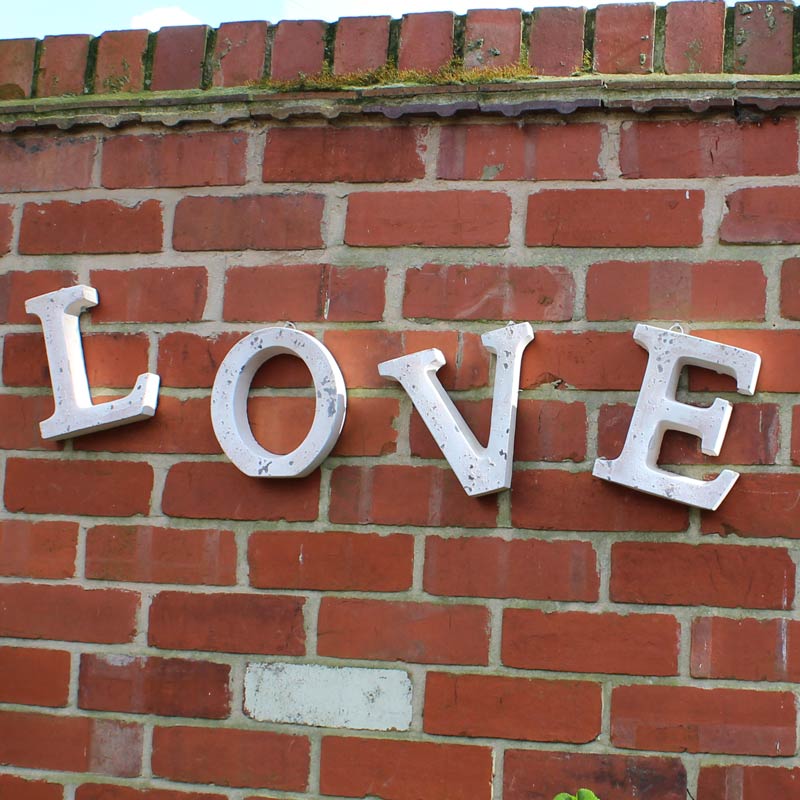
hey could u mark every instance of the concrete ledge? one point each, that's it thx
(509, 99)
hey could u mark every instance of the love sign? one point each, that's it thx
(480, 470)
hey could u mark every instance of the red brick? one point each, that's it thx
(391, 769)
(229, 623)
(178, 57)
(429, 219)
(37, 163)
(485, 292)
(707, 148)
(67, 613)
(512, 708)
(423, 633)
(615, 217)
(693, 38)
(34, 677)
(186, 360)
(38, 549)
(790, 288)
(405, 495)
(112, 359)
(16, 68)
(249, 222)
(62, 65)
(21, 789)
(753, 437)
(761, 215)
(120, 61)
(362, 44)
(281, 424)
(356, 154)
(743, 512)
(426, 41)
(577, 641)
(16, 287)
(99, 488)
(538, 501)
(715, 290)
(217, 490)
(493, 38)
(746, 649)
(231, 757)
(527, 568)
(160, 555)
(751, 782)
(589, 360)
(556, 41)
(683, 718)
(76, 744)
(369, 429)
(672, 573)
(94, 226)
(763, 41)
(175, 159)
(105, 791)
(6, 228)
(169, 687)
(539, 775)
(624, 36)
(547, 430)
(179, 426)
(531, 152)
(150, 295)
(239, 53)
(298, 49)
(358, 353)
(778, 351)
(333, 561)
(471, 364)
(304, 292)
(19, 422)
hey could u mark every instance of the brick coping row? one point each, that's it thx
(681, 38)
(748, 98)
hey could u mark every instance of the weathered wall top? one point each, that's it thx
(689, 54)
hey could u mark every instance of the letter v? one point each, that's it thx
(74, 412)
(481, 470)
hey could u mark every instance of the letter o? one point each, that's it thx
(229, 403)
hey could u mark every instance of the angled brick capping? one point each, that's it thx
(175, 630)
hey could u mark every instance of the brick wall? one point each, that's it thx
(566, 633)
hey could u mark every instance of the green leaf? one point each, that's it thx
(583, 794)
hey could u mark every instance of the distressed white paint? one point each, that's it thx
(657, 411)
(481, 470)
(74, 412)
(229, 403)
(329, 697)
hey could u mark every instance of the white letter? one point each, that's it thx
(74, 413)
(657, 411)
(481, 470)
(229, 403)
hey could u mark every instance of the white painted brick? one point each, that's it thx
(328, 697)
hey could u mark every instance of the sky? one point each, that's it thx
(95, 16)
